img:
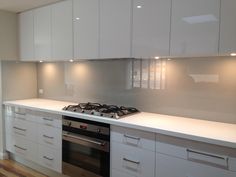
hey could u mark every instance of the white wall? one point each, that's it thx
(8, 36)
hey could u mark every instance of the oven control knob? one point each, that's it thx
(98, 130)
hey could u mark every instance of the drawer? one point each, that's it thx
(117, 173)
(50, 136)
(24, 148)
(52, 120)
(24, 129)
(50, 158)
(132, 160)
(132, 137)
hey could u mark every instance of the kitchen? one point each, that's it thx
(172, 60)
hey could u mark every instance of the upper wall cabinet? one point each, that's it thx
(228, 27)
(26, 35)
(151, 28)
(47, 33)
(42, 33)
(62, 31)
(86, 29)
(195, 27)
(115, 28)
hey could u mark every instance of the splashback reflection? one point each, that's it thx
(203, 88)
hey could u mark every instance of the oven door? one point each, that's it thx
(84, 156)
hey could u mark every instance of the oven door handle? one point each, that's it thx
(83, 139)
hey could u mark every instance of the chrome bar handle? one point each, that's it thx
(132, 161)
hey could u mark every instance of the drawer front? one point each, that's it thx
(50, 136)
(50, 158)
(24, 148)
(24, 129)
(168, 166)
(117, 173)
(51, 120)
(131, 160)
(132, 137)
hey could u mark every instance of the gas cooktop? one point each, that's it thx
(103, 110)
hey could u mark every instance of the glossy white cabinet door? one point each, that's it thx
(42, 33)
(115, 28)
(26, 35)
(228, 27)
(167, 166)
(86, 29)
(62, 31)
(195, 27)
(151, 28)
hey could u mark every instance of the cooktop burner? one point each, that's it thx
(103, 110)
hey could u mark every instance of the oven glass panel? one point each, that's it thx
(84, 157)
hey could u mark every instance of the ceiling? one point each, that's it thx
(23, 5)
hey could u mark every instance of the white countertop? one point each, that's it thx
(200, 130)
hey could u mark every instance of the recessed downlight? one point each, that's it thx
(41, 61)
(77, 18)
(71, 61)
(139, 7)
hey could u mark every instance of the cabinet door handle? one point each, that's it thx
(24, 149)
(19, 113)
(47, 119)
(47, 158)
(132, 137)
(207, 154)
(49, 137)
(21, 129)
(132, 161)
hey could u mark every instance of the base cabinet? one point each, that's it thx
(34, 136)
(168, 166)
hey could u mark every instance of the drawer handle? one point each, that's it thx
(206, 154)
(132, 161)
(47, 158)
(24, 149)
(49, 137)
(47, 119)
(19, 113)
(132, 137)
(21, 129)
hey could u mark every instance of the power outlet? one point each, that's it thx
(40, 91)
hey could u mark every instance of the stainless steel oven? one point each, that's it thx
(86, 148)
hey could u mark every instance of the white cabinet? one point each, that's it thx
(176, 161)
(151, 28)
(132, 153)
(42, 33)
(195, 27)
(115, 28)
(228, 27)
(86, 29)
(62, 31)
(30, 137)
(26, 35)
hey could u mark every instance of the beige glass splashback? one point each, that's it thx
(203, 88)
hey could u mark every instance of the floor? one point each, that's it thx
(9, 168)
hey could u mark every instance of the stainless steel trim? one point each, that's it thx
(24, 149)
(21, 129)
(89, 127)
(132, 161)
(86, 141)
(47, 158)
(132, 137)
(49, 137)
(209, 155)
